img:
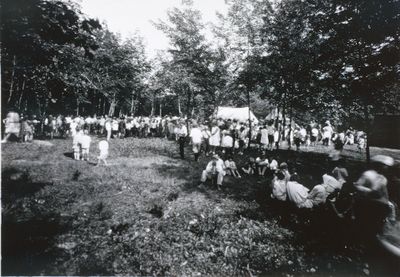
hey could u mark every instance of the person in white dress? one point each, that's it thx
(103, 147)
(215, 139)
(264, 138)
(196, 137)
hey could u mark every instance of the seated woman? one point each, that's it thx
(262, 166)
(278, 184)
(298, 194)
(231, 168)
(250, 168)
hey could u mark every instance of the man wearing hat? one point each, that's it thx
(215, 168)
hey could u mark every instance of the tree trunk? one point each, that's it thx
(179, 106)
(368, 131)
(290, 127)
(284, 119)
(12, 80)
(77, 106)
(248, 104)
(160, 108)
(133, 103)
(112, 108)
(22, 93)
(153, 105)
(104, 105)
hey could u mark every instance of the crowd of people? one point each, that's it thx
(267, 134)
(224, 140)
(372, 201)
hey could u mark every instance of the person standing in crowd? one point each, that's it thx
(327, 133)
(181, 134)
(205, 131)
(314, 135)
(115, 127)
(108, 127)
(196, 137)
(215, 168)
(264, 139)
(27, 130)
(271, 132)
(215, 138)
(13, 126)
(85, 145)
(76, 144)
(227, 143)
(103, 147)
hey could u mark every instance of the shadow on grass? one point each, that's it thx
(28, 228)
(69, 155)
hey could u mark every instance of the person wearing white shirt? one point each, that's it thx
(227, 143)
(108, 127)
(103, 147)
(264, 138)
(215, 139)
(327, 132)
(206, 136)
(215, 168)
(85, 145)
(196, 136)
(181, 136)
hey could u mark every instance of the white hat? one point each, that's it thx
(383, 159)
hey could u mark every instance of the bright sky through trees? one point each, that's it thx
(127, 16)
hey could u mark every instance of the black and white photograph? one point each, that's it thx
(200, 138)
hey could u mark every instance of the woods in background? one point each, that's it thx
(311, 59)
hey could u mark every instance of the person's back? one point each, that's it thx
(279, 187)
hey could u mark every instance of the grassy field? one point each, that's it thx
(146, 215)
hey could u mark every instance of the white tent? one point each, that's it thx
(240, 114)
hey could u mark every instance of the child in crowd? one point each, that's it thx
(231, 168)
(250, 168)
(85, 145)
(103, 147)
(76, 144)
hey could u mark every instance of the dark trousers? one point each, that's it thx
(181, 141)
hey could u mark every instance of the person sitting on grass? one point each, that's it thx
(273, 165)
(76, 144)
(298, 194)
(250, 168)
(103, 147)
(278, 184)
(85, 144)
(215, 169)
(284, 168)
(262, 166)
(231, 168)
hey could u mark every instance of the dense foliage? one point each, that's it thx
(317, 58)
